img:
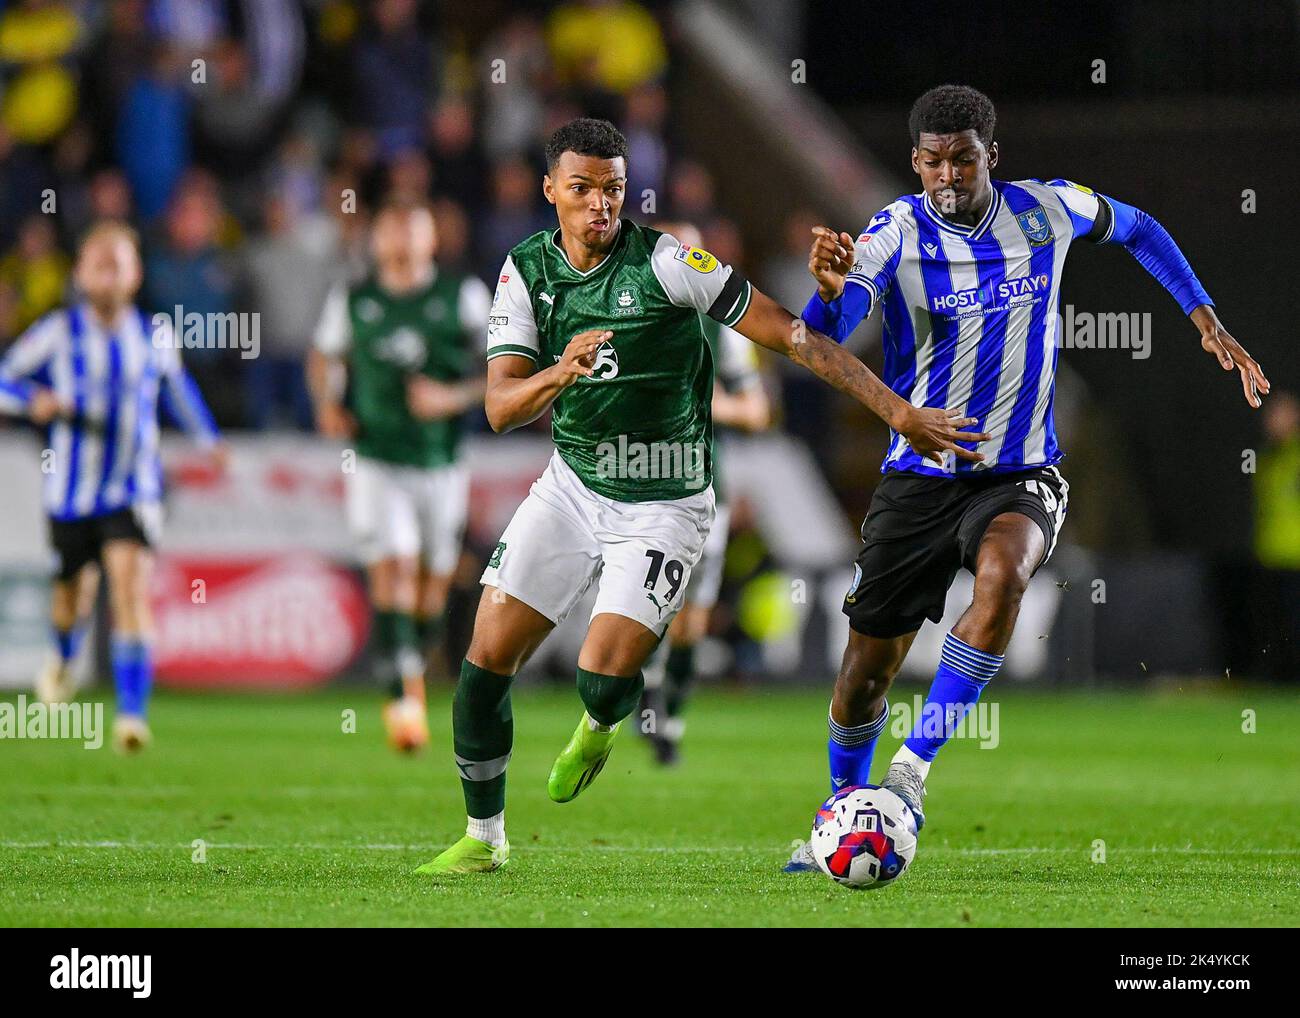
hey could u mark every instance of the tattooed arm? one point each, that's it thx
(930, 431)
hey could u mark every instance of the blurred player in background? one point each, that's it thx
(739, 402)
(91, 374)
(393, 370)
(599, 321)
(969, 274)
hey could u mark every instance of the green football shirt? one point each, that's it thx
(435, 330)
(640, 428)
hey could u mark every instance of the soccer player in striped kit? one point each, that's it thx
(968, 274)
(91, 375)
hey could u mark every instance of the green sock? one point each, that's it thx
(609, 698)
(428, 633)
(679, 673)
(428, 630)
(383, 641)
(484, 733)
(406, 645)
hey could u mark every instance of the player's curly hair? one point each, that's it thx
(586, 136)
(947, 109)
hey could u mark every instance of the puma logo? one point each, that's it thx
(655, 601)
(548, 297)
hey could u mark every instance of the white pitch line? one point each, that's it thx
(650, 849)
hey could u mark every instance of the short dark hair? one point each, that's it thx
(948, 109)
(586, 136)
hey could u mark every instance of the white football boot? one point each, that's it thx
(130, 733)
(55, 682)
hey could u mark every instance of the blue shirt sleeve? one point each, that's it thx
(184, 404)
(838, 318)
(25, 365)
(1149, 242)
(876, 255)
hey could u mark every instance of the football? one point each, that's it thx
(864, 836)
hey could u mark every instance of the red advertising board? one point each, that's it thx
(284, 621)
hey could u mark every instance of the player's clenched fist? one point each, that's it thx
(579, 357)
(830, 260)
(45, 405)
(932, 432)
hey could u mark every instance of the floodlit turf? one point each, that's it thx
(306, 825)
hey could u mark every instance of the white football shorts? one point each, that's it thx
(564, 537)
(398, 511)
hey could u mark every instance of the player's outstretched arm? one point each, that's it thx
(185, 403)
(930, 431)
(518, 394)
(1216, 340)
(1103, 219)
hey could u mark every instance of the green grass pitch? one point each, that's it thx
(306, 825)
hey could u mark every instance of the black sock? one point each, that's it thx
(383, 643)
(679, 675)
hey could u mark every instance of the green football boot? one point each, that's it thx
(469, 855)
(580, 761)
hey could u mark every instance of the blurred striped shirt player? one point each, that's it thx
(970, 312)
(106, 444)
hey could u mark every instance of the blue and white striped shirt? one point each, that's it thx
(970, 312)
(105, 454)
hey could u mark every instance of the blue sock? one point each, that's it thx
(132, 674)
(69, 641)
(963, 673)
(851, 749)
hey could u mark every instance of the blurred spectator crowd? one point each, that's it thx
(248, 140)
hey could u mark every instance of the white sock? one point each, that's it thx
(489, 829)
(905, 755)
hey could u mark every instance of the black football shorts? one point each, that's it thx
(77, 542)
(920, 530)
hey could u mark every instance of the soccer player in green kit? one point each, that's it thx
(599, 321)
(393, 371)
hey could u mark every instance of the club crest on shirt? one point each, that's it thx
(369, 311)
(1035, 225)
(627, 302)
(404, 347)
